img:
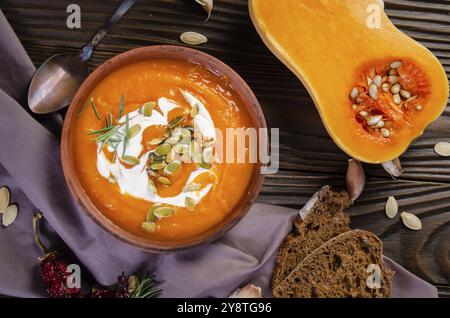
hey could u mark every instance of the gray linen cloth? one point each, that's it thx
(30, 166)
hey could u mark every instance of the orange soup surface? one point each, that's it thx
(133, 138)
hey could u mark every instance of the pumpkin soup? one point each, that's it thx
(144, 147)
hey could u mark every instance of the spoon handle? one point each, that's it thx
(88, 49)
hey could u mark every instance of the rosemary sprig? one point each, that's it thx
(94, 108)
(84, 107)
(146, 288)
(121, 105)
(127, 134)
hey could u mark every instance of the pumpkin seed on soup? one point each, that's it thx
(172, 167)
(189, 203)
(150, 216)
(164, 180)
(173, 140)
(192, 187)
(131, 160)
(149, 227)
(163, 212)
(157, 166)
(175, 122)
(147, 108)
(134, 130)
(194, 111)
(163, 149)
(155, 141)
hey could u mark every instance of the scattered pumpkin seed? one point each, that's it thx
(4, 199)
(192, 187)
(373, 91)
(151, 185)
(442, 149)
(194, 111)
(163, 149)
(397, 99)
(164, 180)
(163, 211)
(149, 227)
(9, 215)
(189, 203)
(175, 122)
(173, 140)
(396, 88)
(155, 141)
(171, 156)
(354, 93)
(134, 130)
(131, 160)
(411, 221)
(172, 167)
(181, 148)
(385, 132)
(391, 207)
(193, 38)
(147, 109)
(157, 166)
(396, 64)
(150, 216)
(186, 133)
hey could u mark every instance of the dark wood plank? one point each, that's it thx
(309, 158)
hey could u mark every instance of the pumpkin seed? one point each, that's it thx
(155, 141)
(176, 131)
(163, 149)
(385, 87)
(393, 72)
(397, 99)
(194, 111)
(172, 167)
(149, 227)
(363, 114)
(381, 124)
(204, 165)
(391, 207)
(134, 130)
(175, 122)
(419, 107)
(157, 166)
(396, 88)
(189, 203)
(396, 64)
(164, 180)
(354, 106)
(442, 149)
(133, 283)
(155, 158)
(164, 212)
(373, 120)
(10, 214)
(412, 98)
(192, 187)
(181, 148)
(186, 133)
(373, 91)
(4, 199)
(411, 221)
(378, 80)
(405, 94)
(151, 185)
(385, 132)
(393, 79)
(354, 93)
(193, 38)
(150, 216)
(173, 140)
(369, 81)
(131, 160)
(147, 109)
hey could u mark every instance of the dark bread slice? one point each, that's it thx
(338, 269)
(325, 220)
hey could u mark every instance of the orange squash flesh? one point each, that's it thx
(330, 47)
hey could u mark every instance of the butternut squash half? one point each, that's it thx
(375, 88)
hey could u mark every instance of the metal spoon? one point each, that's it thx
(56, 81)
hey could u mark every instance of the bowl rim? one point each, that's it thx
(73, 181)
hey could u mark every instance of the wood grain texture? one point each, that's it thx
(309, 158)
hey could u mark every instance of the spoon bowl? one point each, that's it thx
(55, 83)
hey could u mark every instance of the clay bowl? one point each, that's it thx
(135, 55)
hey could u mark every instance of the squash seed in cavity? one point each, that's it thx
(193, 38)
(189, 203)
(419, 107)
(411, 221)
(405, 94)
(163, 149)
(164, 181)
(194, 111)
(134, 130)
(378, 80)
(4, 199)
(151, 185)
(10, 214)
(393, 79)
(397, 99)
(150, 216)
(155, 141)
(369, 81)
(173, 140)
(147, 109)
(354, 93)
(442, 149)
(172, 167)
(149, 227)
(176, 121)
(163, 212)
(391, 207)
(157, 166)
(385, 132)
(396, 88)
(373, 120)
(385, 87)
(192, 187)
(131, 160)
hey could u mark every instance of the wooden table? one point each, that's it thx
(309, 158)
